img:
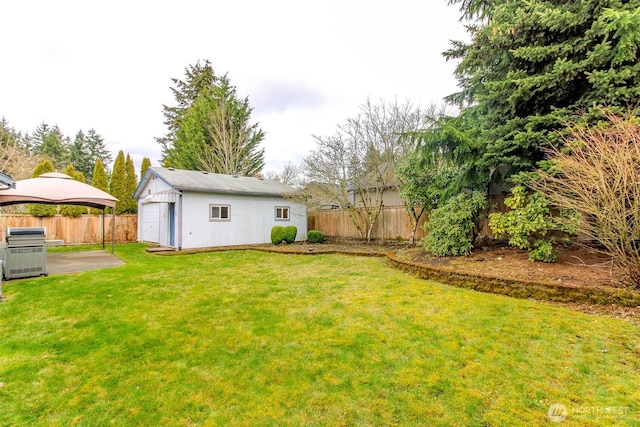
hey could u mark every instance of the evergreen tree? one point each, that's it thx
(146, 164)
(530, 68)
(50, 142)
(209, 128)
(100, 181)
(73, 210)
(79, 155)
(198, 77)
(9, 137)
(97, 148)
(85, 150)
(131, 184)
(231, 143)
(118, 184)
(42, 209)
(43, 167)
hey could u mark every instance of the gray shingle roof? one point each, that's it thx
(208, 182)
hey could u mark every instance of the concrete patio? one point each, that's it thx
(73, 262)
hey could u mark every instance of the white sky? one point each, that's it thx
(305, 67)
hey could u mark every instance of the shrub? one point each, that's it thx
(451, 227)
(41, 209)
(73, 211)
(528, 224)
(277, 234)
(290, 233)
(315, 236)
(595, 174)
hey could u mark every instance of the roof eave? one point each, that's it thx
(244, 193)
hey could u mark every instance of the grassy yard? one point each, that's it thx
(253, 338)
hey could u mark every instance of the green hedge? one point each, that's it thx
(315, 236)
(277, 234)
(290, 233)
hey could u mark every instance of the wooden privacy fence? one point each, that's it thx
(85, 229)
(392, 224)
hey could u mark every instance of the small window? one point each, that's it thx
(282, 213)
(219, 212)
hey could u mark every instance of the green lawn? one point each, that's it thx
(253, 338)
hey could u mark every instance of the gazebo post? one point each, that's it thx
(102, 217)
(113, 231)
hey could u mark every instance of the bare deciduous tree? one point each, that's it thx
(597, 175)
(357, 164)
(291, 174)
(17, 163)
(234, 142)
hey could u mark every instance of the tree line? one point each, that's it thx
(85, 159)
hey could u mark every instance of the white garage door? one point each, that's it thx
(151, 222)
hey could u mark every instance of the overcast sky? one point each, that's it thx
(306, 67)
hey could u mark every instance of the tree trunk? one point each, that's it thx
(415, 220)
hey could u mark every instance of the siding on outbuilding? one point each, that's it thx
(175, 209)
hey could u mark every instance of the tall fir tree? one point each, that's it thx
(131, 184)
(42, 209)
(97, 148)
(118, 183)
(217, 133)
(209, 124)
(50, 142)
(79, 155)
(530, 68)
(9, 137)
(198, 77)
(99, 180)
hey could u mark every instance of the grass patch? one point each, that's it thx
(79, 248)
(254, 338)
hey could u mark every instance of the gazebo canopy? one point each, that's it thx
(57, 189)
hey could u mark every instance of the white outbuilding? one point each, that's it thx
(186, 209)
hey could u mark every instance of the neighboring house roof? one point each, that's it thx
(370, 180)
(322, 194)
(207, 182)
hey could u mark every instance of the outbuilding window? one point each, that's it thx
(282, 213)
(219, 212)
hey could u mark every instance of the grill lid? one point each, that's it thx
(25, 231)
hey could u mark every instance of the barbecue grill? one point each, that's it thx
(25, 254)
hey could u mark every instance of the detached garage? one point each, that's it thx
(186, 209)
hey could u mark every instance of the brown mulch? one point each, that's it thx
(575, 266)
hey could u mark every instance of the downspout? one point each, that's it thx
(179, 222)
